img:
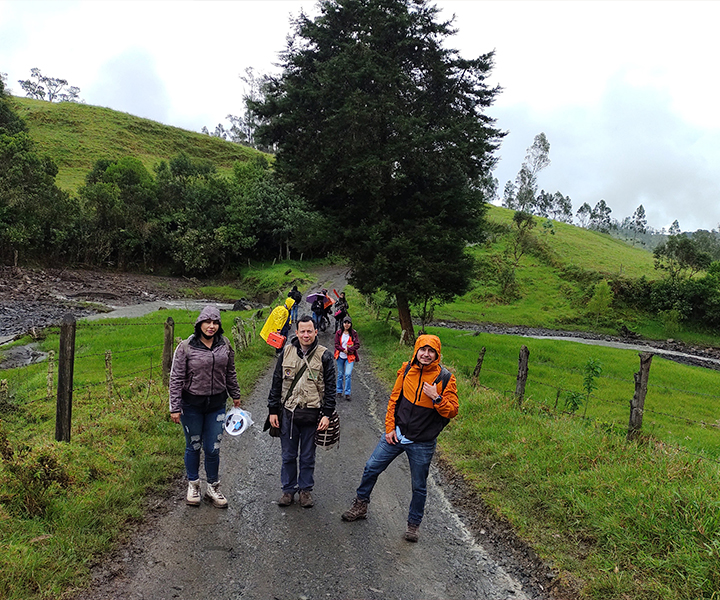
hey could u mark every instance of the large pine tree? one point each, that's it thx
(382, 128)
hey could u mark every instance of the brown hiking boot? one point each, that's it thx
(411, 533)
(358, 510)
(306, 500)
(286, 499)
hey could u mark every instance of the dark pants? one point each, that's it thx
(297, 442)
(419, 456)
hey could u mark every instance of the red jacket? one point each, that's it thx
(421, 419)
(351, 351)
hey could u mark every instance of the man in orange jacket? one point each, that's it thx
(423, 400)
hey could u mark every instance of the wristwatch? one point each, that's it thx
(437, 400)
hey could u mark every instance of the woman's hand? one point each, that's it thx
(274, 421)
(175, 417)
(324, 423)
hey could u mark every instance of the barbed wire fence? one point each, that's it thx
(636, 403)
(60, 367)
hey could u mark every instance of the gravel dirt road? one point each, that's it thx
(257, 550)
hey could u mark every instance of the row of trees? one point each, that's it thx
(184, 216)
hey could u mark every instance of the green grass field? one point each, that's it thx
(622, 520)
(76, 135)
(61, 504)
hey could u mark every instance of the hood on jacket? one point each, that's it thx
(428, 340)
(211, 313)
(289, 303)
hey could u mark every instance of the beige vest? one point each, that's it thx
(309, 390)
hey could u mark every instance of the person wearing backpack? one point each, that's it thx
(423, 400)
(297, 297)
(300, 403)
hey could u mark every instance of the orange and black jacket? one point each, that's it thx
(420, 418)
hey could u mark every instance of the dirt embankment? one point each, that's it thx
(35, 298)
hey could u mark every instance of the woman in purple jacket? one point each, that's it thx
(202, 377)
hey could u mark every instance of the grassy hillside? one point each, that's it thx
(76, 135)
(552, 282)
(586, 249)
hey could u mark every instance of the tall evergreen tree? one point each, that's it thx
(383, 128)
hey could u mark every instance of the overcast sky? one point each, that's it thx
(626, 92)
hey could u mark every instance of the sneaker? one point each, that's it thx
(347, 397)
(358, 510)
(306, 499)
(286, 499)
(193, 493)
(411, 533)
(214, 495)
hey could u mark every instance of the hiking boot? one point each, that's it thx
(347, 397)
(214, 495)
(193, 493)
(286, 499)
(358, 510)
(411, 533)
(338, 396)
(306, 500)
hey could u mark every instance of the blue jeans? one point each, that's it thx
(297, 440)
(419, 456)
(202, 430)
(344, 376)
(294, 313)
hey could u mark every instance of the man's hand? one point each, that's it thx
(175, 417)
(430, 390)
(391, 438)
(274, 421)
(236, 402)
(324, 423)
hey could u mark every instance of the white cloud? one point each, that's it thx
(130, 82)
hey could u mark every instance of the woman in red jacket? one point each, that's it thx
(346, 354)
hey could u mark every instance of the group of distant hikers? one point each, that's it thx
(307, 382)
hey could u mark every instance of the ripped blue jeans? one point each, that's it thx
(202, 430)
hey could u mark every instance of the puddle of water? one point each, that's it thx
(21, 356)
(140, 310)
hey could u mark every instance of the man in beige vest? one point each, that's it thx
(301, 400)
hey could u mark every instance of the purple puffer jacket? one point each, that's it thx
(200, 371)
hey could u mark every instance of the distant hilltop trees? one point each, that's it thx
(52, 89)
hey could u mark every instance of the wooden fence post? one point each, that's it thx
(168, 350)
(403, 335)
(637, 404)
(66, 363)
(108, 372)
(522, 374)
(50, 371)
(475, 379)
(4, 393)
